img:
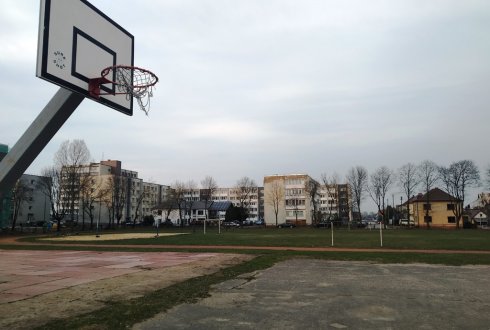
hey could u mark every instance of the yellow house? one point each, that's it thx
(435, 208)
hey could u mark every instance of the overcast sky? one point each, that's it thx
(253, 88)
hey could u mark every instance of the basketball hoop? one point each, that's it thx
(130, 80)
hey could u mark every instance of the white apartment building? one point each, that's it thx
(294, 201)
(335, 202)
(252, 201)
(249, 200)
(329, 201)
(153, 194)
(289, 197)
(37, 207)
(140, 197)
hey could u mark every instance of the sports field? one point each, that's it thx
(413, 239)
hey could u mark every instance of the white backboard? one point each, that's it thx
(77, 41)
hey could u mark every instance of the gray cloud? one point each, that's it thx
(262, 87)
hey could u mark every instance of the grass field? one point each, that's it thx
(422, 239)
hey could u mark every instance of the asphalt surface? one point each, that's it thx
(321, 294)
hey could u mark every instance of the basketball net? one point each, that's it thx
(130, 80)
(137, 83)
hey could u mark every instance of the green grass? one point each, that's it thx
(311, 237)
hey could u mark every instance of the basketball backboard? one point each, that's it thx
(76, 42)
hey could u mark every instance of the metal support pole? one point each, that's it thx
(37, 136)
(98, 221)
(381, 234)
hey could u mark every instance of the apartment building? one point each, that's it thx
(252, 199)
(344, 202)
(295, 197)
(112, 187)
(36, 206)
(287, 199)
(334, 202)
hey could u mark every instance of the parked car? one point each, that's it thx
(404, 222)
(167, 223)
(231, 224)
(360, 224)
(131, 223)
(323, 224)
(163, 223)
(286, 225)
(260, 222)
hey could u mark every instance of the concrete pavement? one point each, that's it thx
(320, 294)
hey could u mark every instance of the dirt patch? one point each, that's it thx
(107, 237)
(88, 297)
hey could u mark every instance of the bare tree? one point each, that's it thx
(209, 187)
(312, 188)
(115, 198)
(274, 197)
(331, 186)
(89, 194)
(169, 203)
(179, 188)
(189, 187)
(69, 159)
(429, 175)
(408, 178)
(20, 194)
(50, 185)
(144, 193)
(357, 178)
(381, 181)
(245, 188)
(457, 178)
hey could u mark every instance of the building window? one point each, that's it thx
(450, 207)
(427, 207)
(293, 214)
(451, 219)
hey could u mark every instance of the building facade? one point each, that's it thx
(335, 203)
(251, 200)
(435, 209)
(294, 198)
(287, 199)
(192, 212)
(36, 207)
(113, 191)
